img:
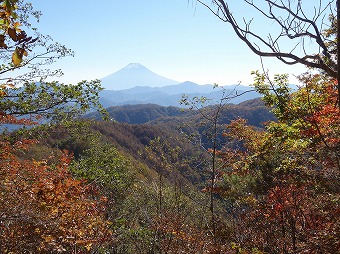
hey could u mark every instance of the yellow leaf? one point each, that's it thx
(16, 59)
(88, 246)
(2, 93)
(16, 26)
(48, 238)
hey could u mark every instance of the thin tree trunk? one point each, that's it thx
(212, 186)
(160, 196)
(338, 50)
(293, 233)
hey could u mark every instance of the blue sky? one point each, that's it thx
(178, 39)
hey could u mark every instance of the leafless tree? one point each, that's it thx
(296, 33)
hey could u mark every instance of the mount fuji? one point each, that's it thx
(136, 84)
(132, 75)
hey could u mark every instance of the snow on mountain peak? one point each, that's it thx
(133, 66)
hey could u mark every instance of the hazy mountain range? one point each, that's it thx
(136, 84)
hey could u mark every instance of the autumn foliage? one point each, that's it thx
(287, 178)
(272, 190)
(44, 209)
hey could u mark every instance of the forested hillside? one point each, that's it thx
(253, 110)
(259, 177)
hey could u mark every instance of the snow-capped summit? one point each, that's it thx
(134, 66)
(132, 75)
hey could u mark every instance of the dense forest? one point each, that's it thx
(261, 176)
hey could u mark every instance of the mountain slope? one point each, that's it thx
(132, 75)
(254, 111)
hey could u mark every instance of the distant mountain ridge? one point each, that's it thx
(172, 95)
(136, 84)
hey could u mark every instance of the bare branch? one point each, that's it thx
(295, 27)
